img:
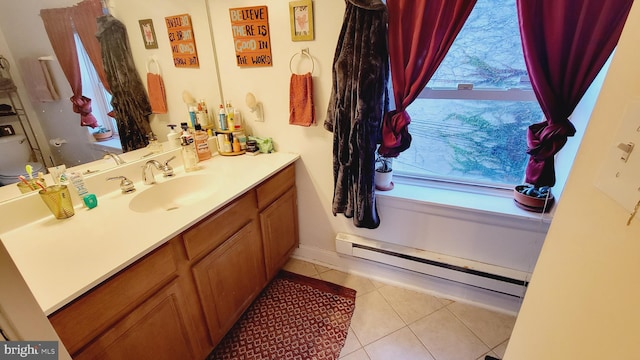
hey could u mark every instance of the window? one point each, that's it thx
(469, 124)
(92, 88)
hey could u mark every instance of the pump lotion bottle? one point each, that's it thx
(189, 155)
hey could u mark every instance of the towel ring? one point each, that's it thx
(153, 61)
(303, 52)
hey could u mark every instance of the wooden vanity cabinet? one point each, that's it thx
(158, 328)
(278, 218)
(230, 278)
(147, 307)
(179, 301)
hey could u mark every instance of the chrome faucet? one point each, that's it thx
(147, 171)
(115, 157)
(126, 185)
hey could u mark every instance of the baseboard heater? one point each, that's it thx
(491, 277)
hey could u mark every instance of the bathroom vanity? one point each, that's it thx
(162, 283)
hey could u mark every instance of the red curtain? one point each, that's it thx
(59, 28)
(565, 43)
(420, 34)
(84, 15)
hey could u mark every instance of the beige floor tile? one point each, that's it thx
(378, 284)
(447, 338)
(321, 269)
(445, 301)
(351, 344)
(410, 305)
(300, 267)
(493, 328)
(374, 318)
(490, 353)
(360, 284)
(402, 344)
(356, 355)
(501, 349)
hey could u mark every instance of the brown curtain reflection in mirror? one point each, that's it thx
(59, 28)
(85, 15)
(130, 102)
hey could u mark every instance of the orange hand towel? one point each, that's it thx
(301, 109)
(157, 95)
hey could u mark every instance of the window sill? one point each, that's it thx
(111, 145)
(462, 197)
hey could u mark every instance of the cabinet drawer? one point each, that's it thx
(214, 230)
(275, 186)
(85, 318)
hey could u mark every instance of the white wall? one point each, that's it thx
(270, 85)
(583, 299)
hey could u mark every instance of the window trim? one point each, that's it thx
(511, 94)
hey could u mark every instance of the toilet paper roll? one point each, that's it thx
(57, 142)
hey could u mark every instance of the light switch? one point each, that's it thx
(626, 150)
(619, 176)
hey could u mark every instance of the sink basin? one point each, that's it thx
(174, 194)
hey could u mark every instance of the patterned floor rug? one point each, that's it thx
(295, 317)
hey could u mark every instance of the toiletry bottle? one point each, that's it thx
(189, 156)
(203, 114)
(227, 145)
(242, 139)
(202, 144)
(230, 119)
(192, 115)
(187, 133)
(173, 137)
(212, 141)
(222, 118)
(154, 145)
(237, 120)
(236, 145)
(220, 142)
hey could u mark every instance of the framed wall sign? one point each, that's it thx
(251, 38)
(148, 34)
(182, 41)
(301, 17)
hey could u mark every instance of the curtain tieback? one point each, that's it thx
(545, 140)
(395, 133)
(82, 106)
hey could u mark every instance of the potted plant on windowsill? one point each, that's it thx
(384, 173)
(533, 198)
(102, 133)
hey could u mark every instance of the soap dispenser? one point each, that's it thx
(189, 155)
(154, 146)
(173, 137)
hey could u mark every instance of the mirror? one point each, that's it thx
(22, 35)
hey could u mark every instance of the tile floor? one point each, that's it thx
(394, 323)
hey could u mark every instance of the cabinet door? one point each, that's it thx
(279, 222)
(230, 278)
(157, 329)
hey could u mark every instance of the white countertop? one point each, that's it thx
(62, 259)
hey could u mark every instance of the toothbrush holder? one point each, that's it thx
(58, 200)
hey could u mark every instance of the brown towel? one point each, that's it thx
(301, 109)
(157, 95)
